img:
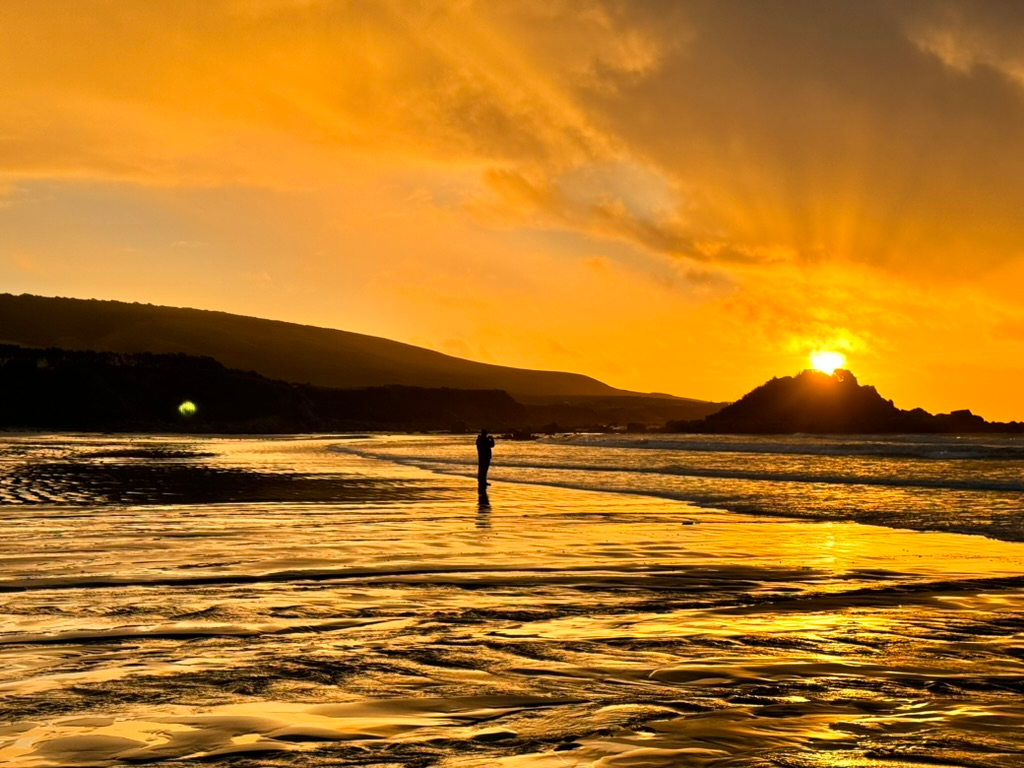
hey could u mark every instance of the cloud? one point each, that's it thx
(824, 128)
(879, 133)
(774, 174)
(967, 34)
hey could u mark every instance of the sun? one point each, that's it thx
(827, 362)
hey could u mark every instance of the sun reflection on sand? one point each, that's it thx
(580, 627)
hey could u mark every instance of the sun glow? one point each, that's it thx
(827, 362)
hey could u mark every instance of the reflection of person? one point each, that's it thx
(484, 443)
(483, 511)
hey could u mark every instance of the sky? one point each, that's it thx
(682, 197)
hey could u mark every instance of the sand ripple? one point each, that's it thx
(401, 623)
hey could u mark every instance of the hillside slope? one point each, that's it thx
(277, 350)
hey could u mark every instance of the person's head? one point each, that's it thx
(483, 431)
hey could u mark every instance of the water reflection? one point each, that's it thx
(483, 511)
(319, 628)
(917, 482)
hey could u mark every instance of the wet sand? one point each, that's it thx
(271, 602)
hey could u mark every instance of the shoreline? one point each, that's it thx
(553, 626)
(521, 469)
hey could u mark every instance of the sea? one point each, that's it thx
(970, 484)
(612, 601)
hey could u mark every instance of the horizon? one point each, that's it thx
(688, 199)
(826, 364)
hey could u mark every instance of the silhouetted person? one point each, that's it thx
(484, 444)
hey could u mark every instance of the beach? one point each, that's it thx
(336, 600)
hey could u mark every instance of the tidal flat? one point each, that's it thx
(289, 602)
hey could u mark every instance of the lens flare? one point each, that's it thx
(187, 408)
(827, 361)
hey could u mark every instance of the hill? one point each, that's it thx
(283, 351)
(142, 392)
(817, 403)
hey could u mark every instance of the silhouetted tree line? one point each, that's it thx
(105, 391)
(818, 403)
(111, 391)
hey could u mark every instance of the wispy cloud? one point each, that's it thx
(791, 171)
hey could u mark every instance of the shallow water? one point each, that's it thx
(289, 602)
(923, 482)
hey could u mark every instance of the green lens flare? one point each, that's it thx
(188, 408)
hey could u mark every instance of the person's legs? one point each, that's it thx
(481, 475)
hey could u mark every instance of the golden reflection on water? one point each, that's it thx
(406, 620)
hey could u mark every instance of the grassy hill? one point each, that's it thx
(307, 354)
(325, 357)
(278, 350)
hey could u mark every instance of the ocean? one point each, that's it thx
(616, 601)
(921, 482)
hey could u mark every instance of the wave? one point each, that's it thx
(982, 498)
(467, 467)
(925, 447)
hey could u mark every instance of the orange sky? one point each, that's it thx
(685, 197)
